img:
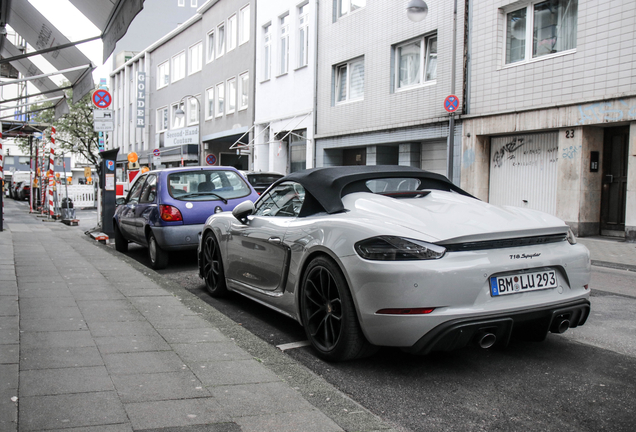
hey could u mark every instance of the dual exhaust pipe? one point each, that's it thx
(486, 339)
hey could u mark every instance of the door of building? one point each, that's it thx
(523, 171)
(354, 156)
(614, 191)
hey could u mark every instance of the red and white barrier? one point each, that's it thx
(51, 173)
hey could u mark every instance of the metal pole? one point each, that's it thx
(451, 120)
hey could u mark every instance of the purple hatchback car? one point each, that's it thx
(165, 209)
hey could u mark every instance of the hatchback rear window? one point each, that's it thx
(207, 185)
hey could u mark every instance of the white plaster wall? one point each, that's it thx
(630, 208)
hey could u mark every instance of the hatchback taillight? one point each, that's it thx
(170, 213)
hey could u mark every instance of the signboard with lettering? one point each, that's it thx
(189, 135)
(141, 99)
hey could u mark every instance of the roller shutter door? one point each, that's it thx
(523, 171)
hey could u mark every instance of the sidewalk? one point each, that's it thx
(94, 342)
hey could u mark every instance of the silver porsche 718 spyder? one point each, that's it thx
(371, 256)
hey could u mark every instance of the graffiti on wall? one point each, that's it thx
(517, 155)
(606, 112)
(571, 152)
(508, 151)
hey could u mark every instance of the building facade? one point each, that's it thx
(382, 82)
(285, 85)
(197, 103)
(551, 119)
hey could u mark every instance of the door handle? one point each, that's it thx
(610, 177)
(274, 240)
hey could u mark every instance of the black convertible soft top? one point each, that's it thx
(327, 185)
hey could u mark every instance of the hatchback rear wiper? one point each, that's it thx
(194, 194)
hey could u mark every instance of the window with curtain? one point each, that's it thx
(220, 99)
(178, 121)
(267, 52)
(209, 103)
(231, 95)
(349, 83)
(284, 44)
(231, 33)
(298, 150)
(163, 74)
(244, 24)
(220, 40)
(345, 7)
(416, 62)
(303, 35)
(210, 52)
(196, 57)
(179, 66)
(162, 119)
(541, 29)
(244, 83)
(193, 111)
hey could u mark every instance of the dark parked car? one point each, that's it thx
(22, 191)
(165, 209)
(261, 180)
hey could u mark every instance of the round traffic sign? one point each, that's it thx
(451, 103)
(156, 152)
(101, 98)
(210, 159)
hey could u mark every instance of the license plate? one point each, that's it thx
(523, 282)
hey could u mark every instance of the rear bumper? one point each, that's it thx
(534, 323)
(178, 237)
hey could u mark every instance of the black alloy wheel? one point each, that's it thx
(212, 265)
(158, 256)
(121, 244)
(329, 315)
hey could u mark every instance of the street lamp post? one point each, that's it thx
(181, 113)
(416, 10)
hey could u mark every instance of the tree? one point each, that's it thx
(74, 131)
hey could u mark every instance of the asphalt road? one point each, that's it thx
(582, 380)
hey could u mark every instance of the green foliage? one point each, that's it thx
(74, 131)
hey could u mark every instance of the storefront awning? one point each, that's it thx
(112, 17)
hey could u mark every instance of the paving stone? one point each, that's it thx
(143, 362)
(51, 358)
(9, 353)
(64, 381)
(288, 422)
(123, 328)
(205, 334)
(51, 313)
(232, 372)
(67, 411)
(127, 344)
(210, 351)
(52, 324)
(163, 414)
(159, 386)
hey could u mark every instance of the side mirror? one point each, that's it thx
(243, 210)
(120, 201)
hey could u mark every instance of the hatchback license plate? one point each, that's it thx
(523, 282)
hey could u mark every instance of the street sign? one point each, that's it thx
(210, 159)
(156, 152)
(101, 98)
(103, 114)
(451, 103)
(103, 125)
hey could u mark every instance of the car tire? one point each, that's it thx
(121, 244)
(329, 315)
(212, 267)
(158, 256)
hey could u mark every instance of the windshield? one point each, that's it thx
(390, 185)
(207, 185)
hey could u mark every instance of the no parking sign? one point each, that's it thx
(210, 159)
(101, 98)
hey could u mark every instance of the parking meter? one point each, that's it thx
(107, 185)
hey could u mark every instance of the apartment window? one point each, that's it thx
(244, 85)
(284, 44)
(193, 111)
(303, 35)
(196, 58)
(349, 83)
(210, 52)
(193, 3)
(220, 99)
(220, 40)
(162, 119)
(178, 66)
(181, 3)
(267, 52)
(541, 29)
(209, 103)
(298, 150)
(178, 121)
(345, 7)
(231, 33)
(416, 62)
(244, 25)
(163, 74)
(231, 95)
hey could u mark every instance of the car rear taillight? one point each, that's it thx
(170, 213)
(406, 311)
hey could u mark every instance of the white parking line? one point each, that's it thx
(292, 345)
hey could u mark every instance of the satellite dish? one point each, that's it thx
(518, 29)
